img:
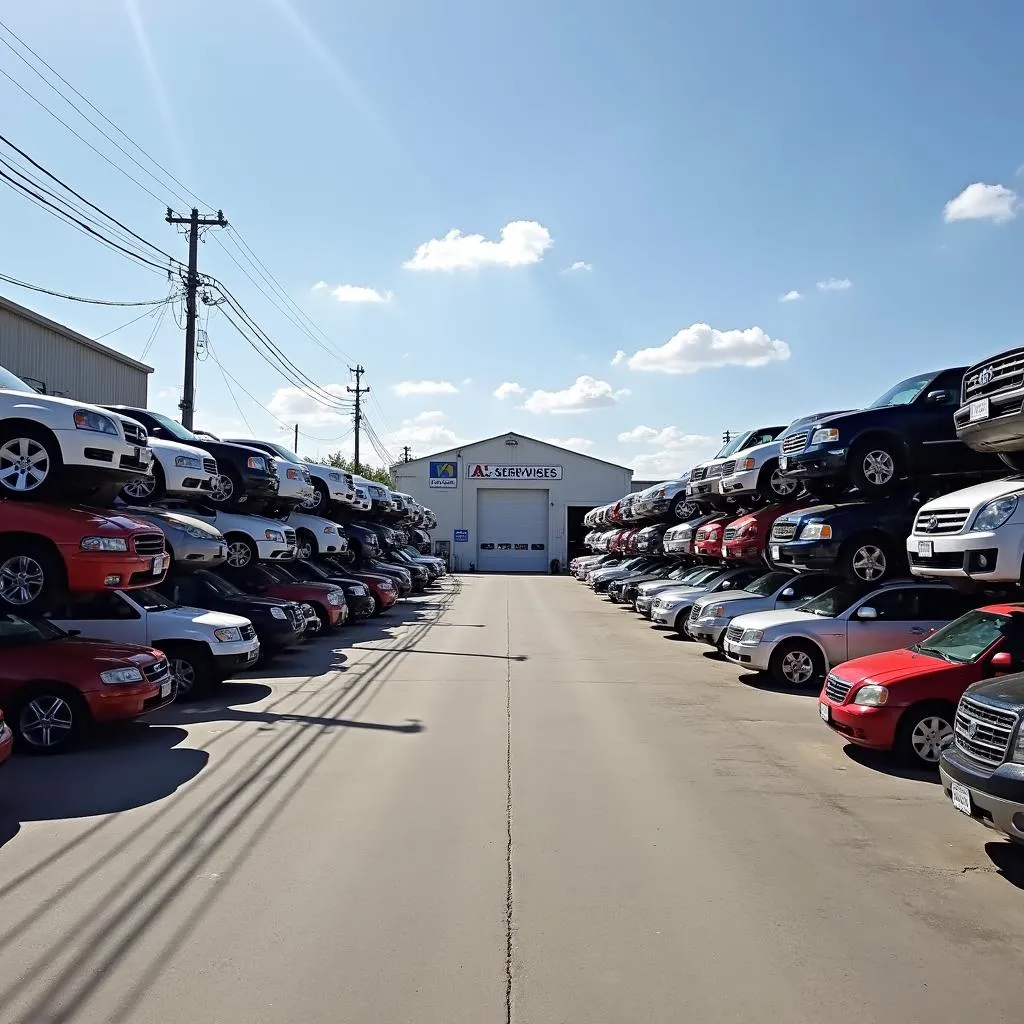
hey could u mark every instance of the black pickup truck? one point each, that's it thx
(908, 432)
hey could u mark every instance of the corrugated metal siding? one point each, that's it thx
(67, 367)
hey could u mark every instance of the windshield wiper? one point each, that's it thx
(938, 654)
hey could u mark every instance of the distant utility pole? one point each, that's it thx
(726, 437)
(295, 447)
(194, 222)
(406, 453)
(357, 416)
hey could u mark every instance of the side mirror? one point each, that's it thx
(788, 594)
(1002, 662)
(867, 612)
(938, 397)
(78, 632)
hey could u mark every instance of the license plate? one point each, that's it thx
(253, 655)
(925, 548)
(961, 797)
(775, 552)
(160, 563)
(724, 551)
(823, 710)
(978, 411)
(165, 689)
(784, 463)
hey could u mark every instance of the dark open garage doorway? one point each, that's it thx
(575, 531)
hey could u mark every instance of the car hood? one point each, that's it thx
(105, 520)
(779, 617)
(160, 519)
(203, 617)
(674, 592)
(172, 448)
(247, 603)
(734, 597)
(805, 422)
(895, 666)
(98, 655)
(657, 586)
(978, 494)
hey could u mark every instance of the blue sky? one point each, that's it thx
(694, 162)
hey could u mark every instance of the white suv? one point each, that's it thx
(331, 486)
(47, 443)
(178, 469)
(295, 485)
(976, 533)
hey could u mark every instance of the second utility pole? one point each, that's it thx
(194, 222)
(358, 414)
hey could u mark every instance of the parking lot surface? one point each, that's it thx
(505, 801)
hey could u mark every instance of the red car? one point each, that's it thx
(707, 541)
(905, 700)
(277, 581)
(54, 686)
(46, 550)
(382, 588)
(6, 740)
(744, 539)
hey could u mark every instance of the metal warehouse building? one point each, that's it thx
(58, 361)
(510, 503)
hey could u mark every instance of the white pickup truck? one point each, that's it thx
(202, 647)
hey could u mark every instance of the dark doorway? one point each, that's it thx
(575, 531)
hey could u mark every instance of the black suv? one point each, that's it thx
(991, 413)
(908, 432)
(247, 481)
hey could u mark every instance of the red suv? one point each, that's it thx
(905, 700)
(707, 541)
(46, 550)
(744, 539)
(54, 686)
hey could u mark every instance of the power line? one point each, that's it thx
(156, 327)
(77, 298)
(231, 392)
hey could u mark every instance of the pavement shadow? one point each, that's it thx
(763, 681)
(227, 695)
(886, 763)
(126, 767)
(1008, 859)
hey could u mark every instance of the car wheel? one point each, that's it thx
(683, 510)
(797, 663)
(145, 488)
(306, 546)
(325, 620)
(680, 623)
(773, 485)
(866, 561)
(320, 499)
(241, 551)
(227, 491)
(30, 463)
(1015, 460)
(190, 669)
(32, 576)
(875, 467)
(378, 607)
(49, 719)
(921, 732)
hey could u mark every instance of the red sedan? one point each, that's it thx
(905, 700)
(707, 541)
(744, 539)
(54, 686)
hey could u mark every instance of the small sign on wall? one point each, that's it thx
(444, 474)
(462, 536)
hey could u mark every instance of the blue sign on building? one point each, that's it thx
(444, 474)
(462, 536)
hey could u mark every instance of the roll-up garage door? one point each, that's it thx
(512, 530)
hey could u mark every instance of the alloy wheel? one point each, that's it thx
(184, 675)
(927, 737)
(141, 487)
(22, 580)
(24, 465)
(239, 555)
(879, 467)
(223, 489)
(798, 667)
(46, 721)
(304, 549)
(869, 563)
(782, 486)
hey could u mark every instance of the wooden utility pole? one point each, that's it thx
(406, 453)
(357, 415)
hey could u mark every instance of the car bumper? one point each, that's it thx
(280, 635)
(703, 488)
(665, 616)
(997, 798)
(123, 703)
(236, 656)
(91, 570)
(275, 551)
(679, 547)
(197, 554)
(708, 549)
(708, 631)
(745, 550)
(994, 555)
(102, 454)
(805, 554)
(186, 482)
(815, 462)
(259, 487)
(1001, 431)
(874, 728)
(753, 656)
(643, 605)
(739, 483)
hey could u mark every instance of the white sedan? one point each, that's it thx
(316, 535)
(178, 470)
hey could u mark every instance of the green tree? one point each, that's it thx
(379, 474)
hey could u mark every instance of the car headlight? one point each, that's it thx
(1018, 749)
(746, 464)
(752, 636)
(104, 544)
(816, 531)
(336, 598)
(387, 585)
(257, 462)
(193, 531)
(228, 634)
(277, 613)
(274, 535)
(825, 435)
(996, 513)
(717, 612)
(188, 462)
(86, 420)
(121, 675)
(872, 696)
(330, 529)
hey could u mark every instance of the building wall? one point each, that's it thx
(67, 363)
(585, 481)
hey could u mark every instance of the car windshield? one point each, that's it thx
(734, 445)
(278, 574)
(219, 585)
(965, 639)
(175, 429)
(16, 631)
(151, 601)
(9, 382)
(286, 453)
(905, 392)
(835, 601)
(767, 584)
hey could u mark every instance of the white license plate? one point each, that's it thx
(165, 689)
(160, 563)
(823, 710)
(925, 548)
(253, 655)
(961, 797)
(783, 463)
(978, 411)
(775, 552)
(725, 551)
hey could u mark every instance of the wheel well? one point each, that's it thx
(946, 706)
(796, 638)
(238, 535)
(885, 437)
(51, 685)
(16, 538)
(172, 647)
(17, 422)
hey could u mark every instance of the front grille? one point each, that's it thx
(939, 560)
(983, 732)
(289, 536)
(695, 612)
(949, 520)
(295, 616)
(158, 672)
(714, 472)
(149, 544)
(794, 443)
(734, 634)
(730, 533)
(836, 689)
(135, 434)
(1004, 373)
(248, 632)
(129, 463)
(701, 534)
(210, 466)
(728, 468)
(783, 530)
(698, 474)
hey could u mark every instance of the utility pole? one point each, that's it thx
(406, 453)
(295, 447)
(194, 222)
(357, 416)
(726, 436)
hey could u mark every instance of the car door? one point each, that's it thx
(803, 588)
(102, 616)
(896, 622)
(930, 424)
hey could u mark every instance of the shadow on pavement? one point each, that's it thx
(763, 681)
(1008, 858)
(887, 763)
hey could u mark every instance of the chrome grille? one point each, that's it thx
(794, 443)
(783, 530)
(948, 520)
(714, 472)
(289, 536)
(836, 689)
(698, 474)
(730, 533)
(734, 633)
(135, 434)
(210, 466)
(158, 672)
(696, 611)
(728, 468)
(983, 732)
(1003, 373)
(248, 632)
(149, 544)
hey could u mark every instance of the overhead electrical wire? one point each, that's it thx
(77, 298)
(156, 329)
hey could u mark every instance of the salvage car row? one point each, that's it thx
(142, 563)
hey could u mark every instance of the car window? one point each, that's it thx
(835, 600)
(811, 586)
(968, 637)
(97, 606)
(903, 605)
(183, 591)
(17, 632)
(941, 604)
(9, 382)
(903, 393)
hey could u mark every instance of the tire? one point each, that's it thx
(32, 577)
(241, 551)
(325, 620)
(867, 559)
(920, 732)
(876, 467)
(228, 491)
(191, 670)
(797, 664)
(144, 490)
(307, 545)
(49, 718)
(773, 486)
(680, 623)
(320, 500)
(683, 509)
(1015, 460)
(30, 463)
(377, 606)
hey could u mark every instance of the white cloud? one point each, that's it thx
(424, 433)
(979, 201)
(835, 284)
(791, 296)
(585, 394)
(700, 347)
(579, 265)
(619, 357)
(467, 380)
(431, 416)
(574, 444)
(424, 387)
(675, 452)
(353, 292)
(507, 388)
(522, 242)
(305, 407)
